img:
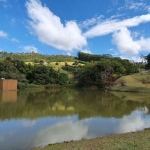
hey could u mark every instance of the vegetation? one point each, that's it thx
(147, 58)
(35, 57)
(38, 74)
(133, 83)
(86, 70)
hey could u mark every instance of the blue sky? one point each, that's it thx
(117, 27)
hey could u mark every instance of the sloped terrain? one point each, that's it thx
(133, 83)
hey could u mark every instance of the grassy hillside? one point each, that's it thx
(133, 83)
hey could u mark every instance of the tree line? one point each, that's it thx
(39, 74)
(87, 69)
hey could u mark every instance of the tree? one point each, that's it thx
(63, 78)
(148, 61)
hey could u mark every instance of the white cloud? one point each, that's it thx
(126, 45)
(116, 16)
(136, 5)
(30, 49)
(51, 31)
(132, 58)
(111, 26)
(3, 34)
(86, 51)
(90, 22)
(124, 42)
(14, 40)
(60, 132)
(131, 5)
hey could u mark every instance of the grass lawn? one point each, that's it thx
(134, 83)
(128, 141)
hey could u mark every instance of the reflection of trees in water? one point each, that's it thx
(85, 103)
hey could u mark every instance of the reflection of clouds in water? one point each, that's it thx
(28, 123)
(64, 131)
(136, 121)
(1, 138)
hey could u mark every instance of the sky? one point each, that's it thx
(65, 27)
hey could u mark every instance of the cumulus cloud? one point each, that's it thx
(30, 49)
(110, 26)
(127, 45)
(49, 29)
(3, 34)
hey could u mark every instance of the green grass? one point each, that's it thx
(133, 83)
(59, 68)
(128, 141)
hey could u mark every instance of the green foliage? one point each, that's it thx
(8, 70)
(27, 73)
(75, 63)
(148, 61)
(99, 70)
(63, 78)
(35, 57)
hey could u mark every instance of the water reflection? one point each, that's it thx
(39, 118)
(138, 120)
(87, 104)
(8, 96)
(28, 123)
(62, 131)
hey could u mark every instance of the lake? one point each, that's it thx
(34, 118)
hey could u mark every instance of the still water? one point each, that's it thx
(36, 118)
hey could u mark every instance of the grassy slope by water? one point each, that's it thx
(128, 141)
(133, 83)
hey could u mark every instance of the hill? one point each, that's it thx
(133, 83)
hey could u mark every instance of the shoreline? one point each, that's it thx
(138, 140)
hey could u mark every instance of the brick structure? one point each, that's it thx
(8, 85)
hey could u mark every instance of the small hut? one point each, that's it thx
(8, 85)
